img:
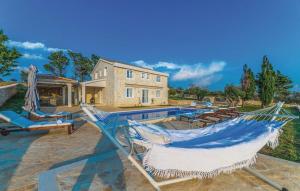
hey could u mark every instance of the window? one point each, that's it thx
(157, 93)
(145, 75)
(129, 74)
(105, 71)
(100, 73)
(96, 75)
(129, 92)
(158, 78)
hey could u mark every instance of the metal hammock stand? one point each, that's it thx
(118, 133)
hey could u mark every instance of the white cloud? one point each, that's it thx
(32, 56)
(208, 80)
(22, 68)
(168, 65)
(142, 63)
(26, 44)
(200, 74)
(55, 49)
(32, 46)
(296, 87)
(199, 70)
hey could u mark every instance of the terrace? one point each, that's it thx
(100, 166)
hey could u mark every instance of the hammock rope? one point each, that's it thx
(232, 134)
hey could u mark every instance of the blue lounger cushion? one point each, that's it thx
(20, 121)
(42, 114)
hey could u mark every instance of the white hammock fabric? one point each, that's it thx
(207, 152)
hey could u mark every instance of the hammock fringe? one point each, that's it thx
(273, 142)
(171, 173)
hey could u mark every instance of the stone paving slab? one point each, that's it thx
(105, 176)
(24, 155)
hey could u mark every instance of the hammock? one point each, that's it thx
(207, 152)
(200, 153)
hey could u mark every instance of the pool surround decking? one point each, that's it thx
(23, 156)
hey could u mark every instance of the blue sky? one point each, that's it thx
(197, 42)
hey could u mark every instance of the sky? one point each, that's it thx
(205, 43)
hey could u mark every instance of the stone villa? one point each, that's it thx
(112, 83)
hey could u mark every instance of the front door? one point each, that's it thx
(144, 96)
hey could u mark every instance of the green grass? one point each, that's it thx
(289, 140)
(6, 83)
(247, 108)
(16, 102)
(181, 98)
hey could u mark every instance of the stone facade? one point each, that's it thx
(7, 92)
(142, 87)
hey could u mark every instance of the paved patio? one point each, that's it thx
(103, 108)
(23, 156)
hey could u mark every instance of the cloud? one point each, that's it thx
(32, 56)
(208, 80)
(55, 49)
(199, 70)
(142, 63)
(160, 64)
(296, 87)
(32, 46)
(26, 44)
(199, 74)
(22, 68)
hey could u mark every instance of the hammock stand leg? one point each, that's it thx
(265, 179)
(129, 157)
(259, 175)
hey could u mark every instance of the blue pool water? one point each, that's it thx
(149, 114)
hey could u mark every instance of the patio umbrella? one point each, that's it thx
(32, 96)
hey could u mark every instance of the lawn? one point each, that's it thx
(180, 98)
(289, 147)
(16, 102)
(6, 83)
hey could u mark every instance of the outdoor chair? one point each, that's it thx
(24, 124)
(38, 114)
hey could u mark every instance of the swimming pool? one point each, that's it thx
(149, 114)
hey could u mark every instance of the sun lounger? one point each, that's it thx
(230, 112)
(214, 119)
(24, 124)
(186, 116)
(38, 114)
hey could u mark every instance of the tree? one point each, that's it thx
(247, 84)
(232, 94)
(282, 85)
(8, 56)
(266, 82)
(58, 63)
(172, 92)
(94, 59)
(83, 65)
(199, 92)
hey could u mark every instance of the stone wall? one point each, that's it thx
(7, 92)
(180, 102)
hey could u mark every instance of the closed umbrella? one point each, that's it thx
(32, 96)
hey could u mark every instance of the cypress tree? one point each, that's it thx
(247, 84)
(266, 82)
